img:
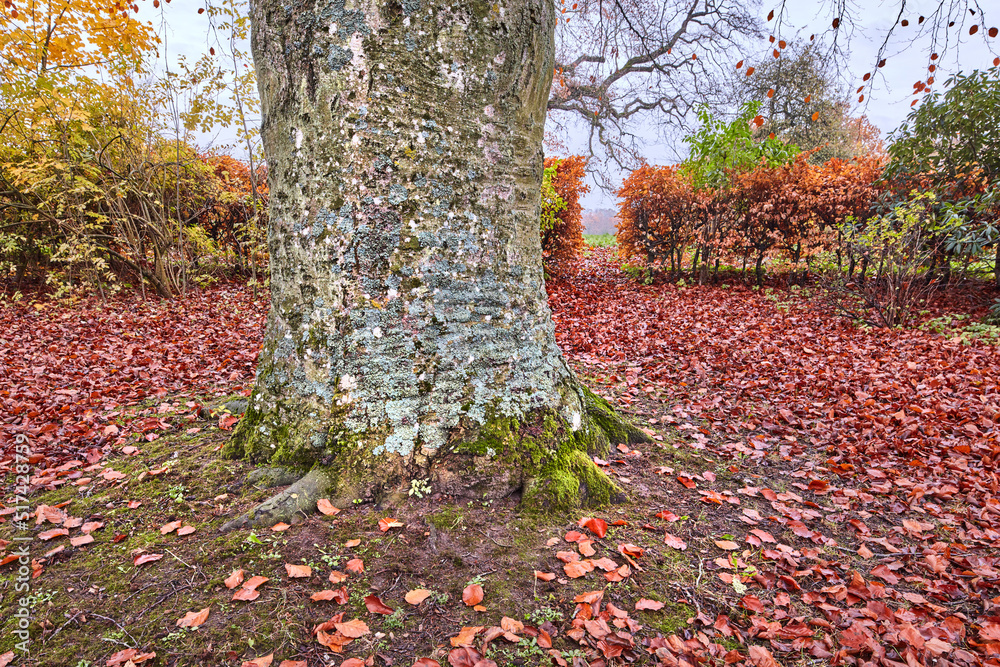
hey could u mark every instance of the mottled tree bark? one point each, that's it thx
(409, 336)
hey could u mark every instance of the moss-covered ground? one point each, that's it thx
(89, 602)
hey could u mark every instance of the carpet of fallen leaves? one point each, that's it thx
(890, 433)
(814, 493)
(79, 375)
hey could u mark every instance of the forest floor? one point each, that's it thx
(814, 493)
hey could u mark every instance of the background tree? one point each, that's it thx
(803, 103)
(720, 151)
(951, 145)
(950, 131)
(625, 68)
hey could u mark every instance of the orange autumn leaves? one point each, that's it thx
(576, 567)
(662, 213)
(564, 242)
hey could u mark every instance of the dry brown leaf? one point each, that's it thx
(376, 606)
(248, 592)
(170, 527)
(387, 523)
(80, 540)
(326, 507)
(91, 526)
(761, 657)
(597, 526)
(578, 569)
(417, 595)
(193, 619)
(511, 625)
(51, 533)
(674, 542)
(590, 597)
(472, 595)
(234, 579)
(648, 605)
(354, 628)
(246, 595)
(323, 595)
(142, 559)
(298, 571)
(605, 564)
(466, 636)
(116, 659)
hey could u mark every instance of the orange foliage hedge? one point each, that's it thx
(231, 209)
(659, 213)
(565, 241)
(795, 207)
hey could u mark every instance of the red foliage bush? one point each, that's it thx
(658, 215)
(796, 208)
(240, 204)
(564, 242)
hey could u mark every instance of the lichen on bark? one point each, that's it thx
(408, 311)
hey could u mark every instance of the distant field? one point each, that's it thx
(600, 240)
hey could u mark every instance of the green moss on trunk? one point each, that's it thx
(543, 456)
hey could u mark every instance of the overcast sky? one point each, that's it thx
(886, 104)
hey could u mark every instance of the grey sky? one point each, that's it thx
(886, 104)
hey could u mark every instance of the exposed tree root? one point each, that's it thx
(550, 464)
(296, 501)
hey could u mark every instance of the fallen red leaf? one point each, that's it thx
(376, 606)
(472, 595)
(648, 605)
(193, 619)
(597, 526)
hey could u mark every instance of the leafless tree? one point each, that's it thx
(626, 67)
(623, 66)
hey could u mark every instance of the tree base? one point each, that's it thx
(542, 457)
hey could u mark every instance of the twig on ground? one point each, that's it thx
(59, 629)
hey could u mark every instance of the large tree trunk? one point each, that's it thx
(409, 336)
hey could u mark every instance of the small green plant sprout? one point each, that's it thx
(420, 487)
(543, 614)
(738, 575)
(993, 315)
(477, 580)
(394, 621)
(177, 492)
